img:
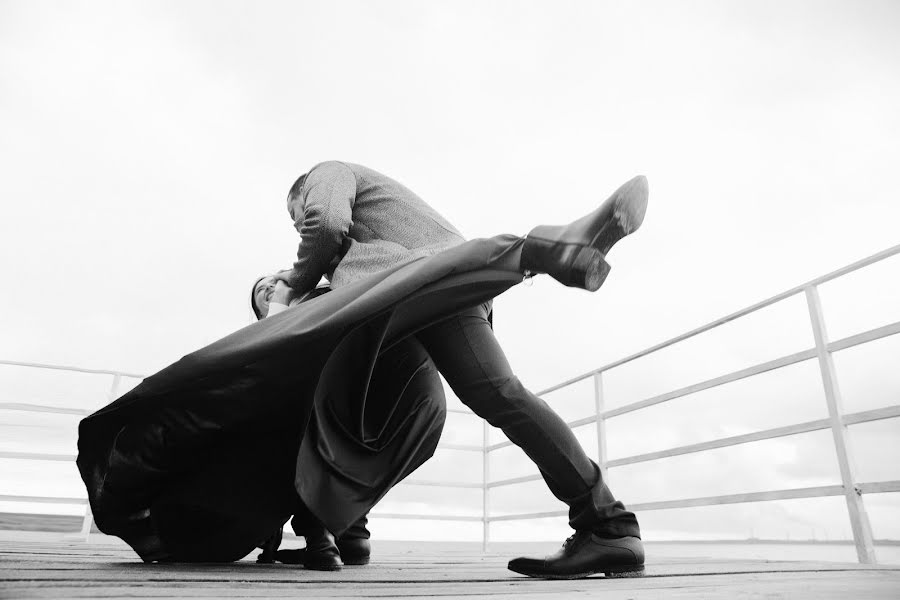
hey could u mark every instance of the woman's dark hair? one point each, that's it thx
(253, 306)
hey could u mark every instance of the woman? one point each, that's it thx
(268, 297)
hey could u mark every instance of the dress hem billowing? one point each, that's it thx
(332, 401)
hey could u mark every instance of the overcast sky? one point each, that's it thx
(147, 148)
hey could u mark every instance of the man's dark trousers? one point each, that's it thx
(471, 360)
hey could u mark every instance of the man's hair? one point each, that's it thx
(295, 189)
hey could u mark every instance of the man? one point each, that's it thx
(355, 222)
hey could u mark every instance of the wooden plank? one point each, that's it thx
(420, 569)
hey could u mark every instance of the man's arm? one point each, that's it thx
(323, 217)
(281, 298)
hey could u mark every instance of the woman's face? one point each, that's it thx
(262, 294)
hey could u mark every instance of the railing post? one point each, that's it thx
(88, 520)
(485, 478)
(87, 523)
(859, 519)
(601, 425)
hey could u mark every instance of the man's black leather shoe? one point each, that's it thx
(575, 254)
(320, 554)
(354, 551)
(585, 554)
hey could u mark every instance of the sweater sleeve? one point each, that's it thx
(323, 218)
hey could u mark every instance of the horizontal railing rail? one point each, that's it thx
(42, 499)
(34, 365)
(788, 494)
(59, 410)
(866, 416)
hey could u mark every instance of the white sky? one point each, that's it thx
(147, 148)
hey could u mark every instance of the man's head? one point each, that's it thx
(295, 199)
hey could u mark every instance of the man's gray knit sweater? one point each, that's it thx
(354, 221)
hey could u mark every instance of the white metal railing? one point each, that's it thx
(837, 421)
(111, 395)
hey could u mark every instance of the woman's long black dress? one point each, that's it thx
(333, 401)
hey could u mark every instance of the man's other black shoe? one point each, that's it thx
(585, 554)
(321, 553)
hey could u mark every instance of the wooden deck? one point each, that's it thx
(36, 567)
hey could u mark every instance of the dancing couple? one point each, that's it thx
(315, 411)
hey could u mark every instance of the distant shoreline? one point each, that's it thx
(773, 541)
(72, 524)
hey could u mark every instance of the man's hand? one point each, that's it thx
(283, 275)
(282, 294)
